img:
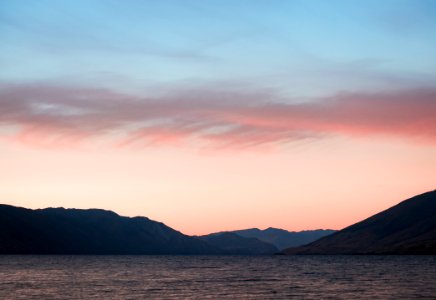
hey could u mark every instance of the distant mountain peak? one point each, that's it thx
(233, 243)
(282, 238)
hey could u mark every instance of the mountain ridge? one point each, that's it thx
(94, 231)
(406, 228)
(282, 238)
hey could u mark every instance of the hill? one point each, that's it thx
(406, 228)
(92, 231)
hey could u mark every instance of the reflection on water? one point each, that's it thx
(217, 277)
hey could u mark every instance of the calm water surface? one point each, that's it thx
(217, 277)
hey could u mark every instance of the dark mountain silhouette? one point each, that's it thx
(282, 238)
(92, 231)
(406, 228)
(232, 243)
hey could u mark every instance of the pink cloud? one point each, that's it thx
(217, 118)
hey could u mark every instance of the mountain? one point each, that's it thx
(406, 228)
(92, 231)
(232, 243)
(282, 238)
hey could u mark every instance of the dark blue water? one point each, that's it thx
(217, 277)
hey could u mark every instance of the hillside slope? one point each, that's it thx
(406, 228)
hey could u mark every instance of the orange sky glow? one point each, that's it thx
(304, 185)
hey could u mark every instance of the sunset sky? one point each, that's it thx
(218, 115)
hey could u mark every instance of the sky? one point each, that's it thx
(218, 115)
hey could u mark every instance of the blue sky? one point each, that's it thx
(297, 48)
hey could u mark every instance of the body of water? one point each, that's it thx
(217, 277)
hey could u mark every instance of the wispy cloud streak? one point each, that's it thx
(210, 117)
